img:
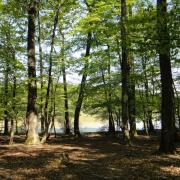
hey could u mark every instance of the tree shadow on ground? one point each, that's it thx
(94, 157)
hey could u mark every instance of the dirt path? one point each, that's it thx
(90, 158)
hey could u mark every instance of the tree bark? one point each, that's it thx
(66, 107)
(132, 90)
(167, 102)
(12, 130)
(111, 128)
(6, 81)
(46, 120)
(108, 93)
(141, 94)
(125, 74)
(132, 109)
(32, 115)
(41, 72)
(111, 120)
(177, 103)
(82, 87)
(148, 109)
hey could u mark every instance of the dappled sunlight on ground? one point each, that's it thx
(92, 157)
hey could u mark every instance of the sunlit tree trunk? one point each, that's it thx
(32, 115)
(125, 74)
(12, 130)
(148, 109)
(41, 72)
(167, 103)
(141, 94)
(177, 103)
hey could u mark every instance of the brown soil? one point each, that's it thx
(90, 157)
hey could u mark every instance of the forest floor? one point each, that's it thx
(91, 157)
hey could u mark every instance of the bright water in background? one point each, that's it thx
(139, 126)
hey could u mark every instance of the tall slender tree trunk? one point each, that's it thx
(108, 93)
(46, 119)
(125, 74)
(41, 72)
(12, 130)
(149, 105)
(111, 128)
(66, 107)
(111, 119)
(167, 102)
(141, 94)
(54, 106)
(6, 81)
(132, 107)
(32, 115)
(177, 103)
(82, 87)
(54, 112)
(132, 90)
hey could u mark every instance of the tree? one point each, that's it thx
(125, 73)
(167, 102)
(132, 90)
(32, 115)
(46, 118)
(6, 81)
(66, 106)
(41, 71)
(82, 86)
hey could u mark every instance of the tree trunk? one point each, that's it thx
(41, 72)
(108, 94)
(177, 104)
(66, 107)
(82, 87)
(6, 81)
(47, 122)
(167, 102)
(111, 128)
(132, 109)
(145, 127)
(12, 130)
(125, 74)
(32, 116)
(141, 94)
(148, 109)
(132, 90)
(109, 98)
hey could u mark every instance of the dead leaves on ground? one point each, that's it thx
(94, 157)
